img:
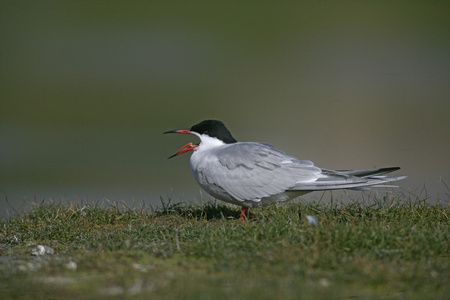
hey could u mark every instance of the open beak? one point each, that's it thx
(186, 148)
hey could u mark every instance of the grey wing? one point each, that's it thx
(252, 171)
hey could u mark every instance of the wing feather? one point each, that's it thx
(251, 171)
(246, 172)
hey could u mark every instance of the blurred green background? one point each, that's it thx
(88, 87)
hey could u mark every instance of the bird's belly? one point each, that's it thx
(213, 189)
(221, 194)
(281, 197)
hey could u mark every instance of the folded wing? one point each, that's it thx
(251, 171)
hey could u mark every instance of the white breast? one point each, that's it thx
(206, 168)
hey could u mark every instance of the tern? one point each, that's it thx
(253, 174)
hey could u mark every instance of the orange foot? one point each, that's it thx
(244, 214)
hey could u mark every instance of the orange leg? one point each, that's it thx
(244, 214)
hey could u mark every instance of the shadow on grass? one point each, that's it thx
(207, 211)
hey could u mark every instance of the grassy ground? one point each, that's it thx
(394, 249)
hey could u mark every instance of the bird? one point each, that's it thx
(252, 174)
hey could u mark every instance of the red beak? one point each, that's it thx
(186, 148)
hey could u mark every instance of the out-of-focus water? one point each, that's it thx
(87, 90)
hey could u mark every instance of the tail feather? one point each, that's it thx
(365, 173)
(349, 179)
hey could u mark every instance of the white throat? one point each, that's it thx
(208, 142)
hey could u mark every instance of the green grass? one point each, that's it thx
(393, 249)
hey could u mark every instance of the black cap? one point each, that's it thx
(214, 128)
